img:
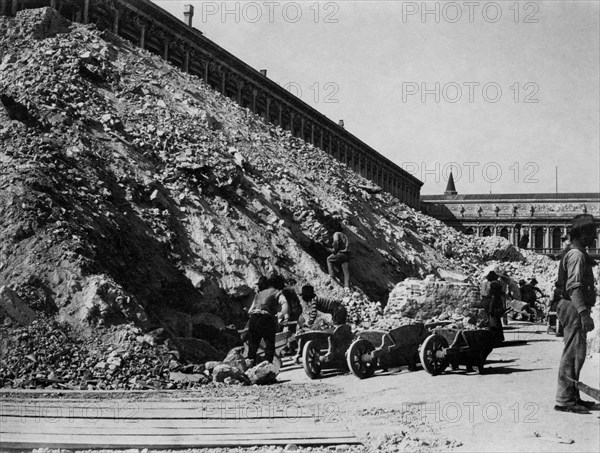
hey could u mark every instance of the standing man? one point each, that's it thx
(340, 255)
(495, 308)
(263, 317)
(576, 280)
(334, 307)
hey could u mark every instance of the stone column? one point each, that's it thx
(166, 45)
(240, 85)
(206, 64)
(547, 237)
(322, 139)
(223, 81)
(280, 120)
(14, 7)
(302, 122)
(312, 133)
(268, 109)
(116, 21)
(143, 36)
(86, 11)
(531, 238)
(254, 94)
(186, 59)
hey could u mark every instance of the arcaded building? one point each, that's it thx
(541, 219)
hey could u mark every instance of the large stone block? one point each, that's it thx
(12, 307)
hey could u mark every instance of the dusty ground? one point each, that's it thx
(413, 411)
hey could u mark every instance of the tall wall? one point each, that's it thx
(152, 28)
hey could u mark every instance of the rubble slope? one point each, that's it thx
(132, 192)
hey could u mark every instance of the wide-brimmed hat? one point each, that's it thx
(582, 220)
(307, 291)
(534, 281)
(521, 282)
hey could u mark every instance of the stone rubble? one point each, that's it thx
(136, 198)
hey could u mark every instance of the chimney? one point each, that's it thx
(188, 13)
(263, 72)
(341, 123)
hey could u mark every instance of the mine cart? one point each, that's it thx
(378, 349)
(323, 349)
(456, 347)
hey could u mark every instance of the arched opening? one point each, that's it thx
(504, 232)
(556, 235)
(487, 231)
(538, 235)
(469, 231)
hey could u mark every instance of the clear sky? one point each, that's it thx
(506, 91)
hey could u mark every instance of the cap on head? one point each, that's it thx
(307, 292)
(491, 276)
(582, 220)
(276, 281)
(534, 281)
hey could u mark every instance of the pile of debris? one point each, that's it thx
(134, 193)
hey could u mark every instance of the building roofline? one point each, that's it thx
(575, 196)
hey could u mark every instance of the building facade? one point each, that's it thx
(541, 221)
(152, 28)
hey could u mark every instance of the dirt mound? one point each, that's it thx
(133, 193)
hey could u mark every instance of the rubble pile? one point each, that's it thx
(51, 354)
(132, 193)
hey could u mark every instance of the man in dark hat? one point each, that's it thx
(529, 294)
(576, 280)
(334, 307)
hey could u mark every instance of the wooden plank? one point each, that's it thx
(143, 425)
(150, 402)
(206, 413)
(16, 441)
(221, 434)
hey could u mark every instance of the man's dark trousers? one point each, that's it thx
(573, 354)
(262, 326)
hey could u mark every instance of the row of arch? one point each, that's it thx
(542, 237)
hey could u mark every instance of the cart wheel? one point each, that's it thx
(360, 367)
(432, 354)
(310, 360)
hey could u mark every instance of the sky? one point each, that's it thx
(504, 94)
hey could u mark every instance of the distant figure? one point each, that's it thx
(524, 241)
(495, 308)
(263, 317)
(340, 255)
(295, 310)
(528, 293)
(576, 280)
(335, 308)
